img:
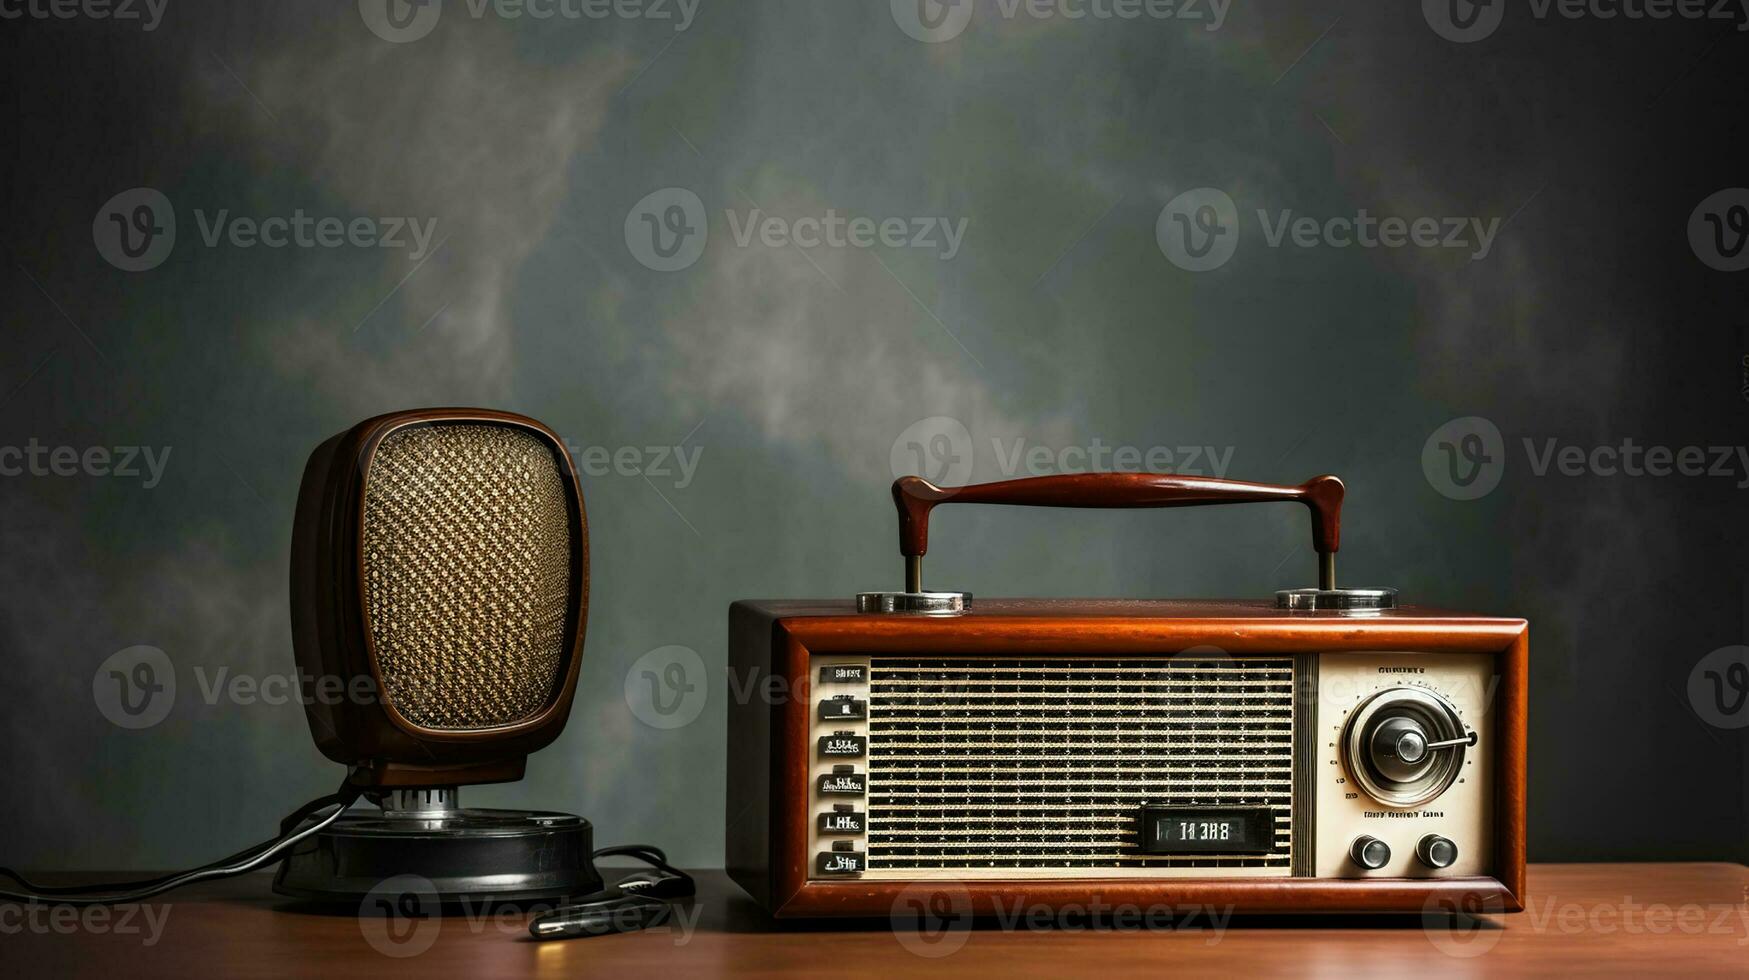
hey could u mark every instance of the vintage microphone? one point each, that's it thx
(439, 591)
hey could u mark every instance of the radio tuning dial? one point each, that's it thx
(1405, 746)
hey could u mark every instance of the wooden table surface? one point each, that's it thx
(1626, 919)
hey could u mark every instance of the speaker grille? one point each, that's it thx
(467, 573)
(1043, 764)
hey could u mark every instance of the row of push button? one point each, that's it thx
(844, 820)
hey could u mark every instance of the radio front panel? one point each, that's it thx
(1171, 766)
(1144, 751)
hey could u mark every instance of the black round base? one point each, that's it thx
(465, 856)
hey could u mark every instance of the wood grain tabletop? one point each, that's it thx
(1582, 919)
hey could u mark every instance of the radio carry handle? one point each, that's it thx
(915, 497)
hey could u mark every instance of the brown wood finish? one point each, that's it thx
(332, 638)
(1630, 920)
(1512, 765)
(777, 638)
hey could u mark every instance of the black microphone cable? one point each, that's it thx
(242, 862)
(640, 901)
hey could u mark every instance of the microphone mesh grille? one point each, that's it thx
(467, 573)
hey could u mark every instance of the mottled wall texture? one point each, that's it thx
(752, 259)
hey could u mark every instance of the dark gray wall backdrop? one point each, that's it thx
(795, 374)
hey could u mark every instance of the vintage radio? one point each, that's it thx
(1330, 750)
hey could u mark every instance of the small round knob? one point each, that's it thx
(1436, 852)
(1370, 852)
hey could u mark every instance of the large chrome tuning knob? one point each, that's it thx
(1405, 746)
